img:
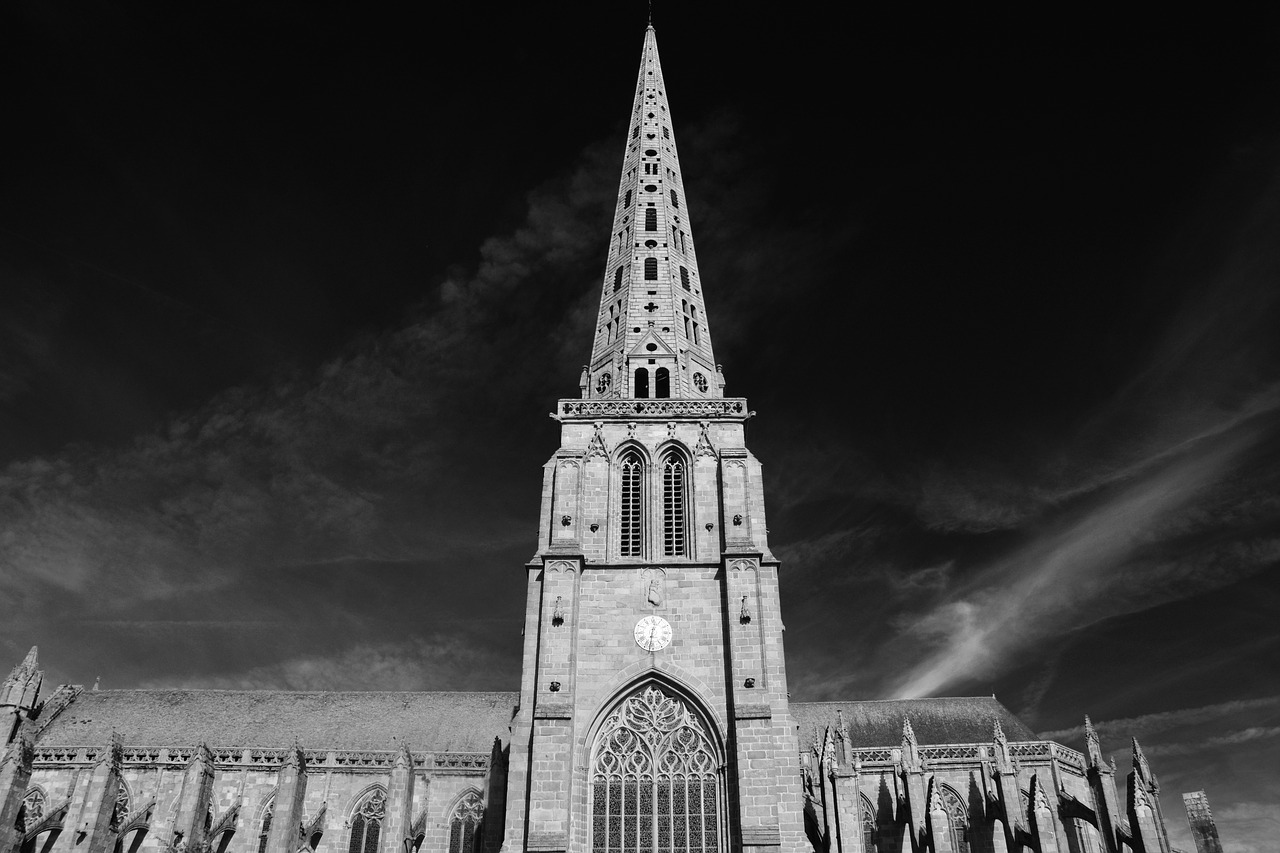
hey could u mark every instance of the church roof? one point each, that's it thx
(935, 721)
(427, 722)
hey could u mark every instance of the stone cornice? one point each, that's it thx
(226, 758)
(725, 409)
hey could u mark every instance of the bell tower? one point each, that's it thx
(653, 708)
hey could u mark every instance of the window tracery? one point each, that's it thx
(464, 823)
(33, 806)
(957, 819)
(366, 824)
(655, 780)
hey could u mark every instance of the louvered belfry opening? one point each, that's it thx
(673, 506)
(655, 783)
(630, 522)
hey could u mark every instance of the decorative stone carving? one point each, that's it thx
(595, 447)
(557, 566)
(652, 579)
(704, 447)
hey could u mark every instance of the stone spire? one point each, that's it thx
(651, 337)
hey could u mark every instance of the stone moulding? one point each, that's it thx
(1035, 751)
(228, 757)
(730, 408)
(754, 711)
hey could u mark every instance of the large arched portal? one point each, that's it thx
(656, 779)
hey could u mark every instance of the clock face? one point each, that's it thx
(653, 633)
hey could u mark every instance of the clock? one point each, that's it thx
(653, 633)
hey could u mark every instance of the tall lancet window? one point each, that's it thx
(366, 823)
(631, 526)
(674, 537)
(654, 782)
(957, 819)
(264, 831)
(464, 823)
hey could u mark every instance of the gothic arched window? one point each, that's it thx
(957, 819)
(264, 831)
(631, 525)
(655, 784)
(868, 826)
(464, 823)
(674, 503)
(366, 824)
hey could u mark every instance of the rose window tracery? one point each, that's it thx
(655, 779)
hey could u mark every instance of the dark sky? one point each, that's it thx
(286, 294)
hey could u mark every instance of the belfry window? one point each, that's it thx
(617, 279)
(662, 383)
(627, 202)
(641, 386)
(654, 785)
(651, 269)
(684, 278)
(464, 823)
(674, 503)
(651, 219)
(630, 526)
(675, 199)
(366, 824)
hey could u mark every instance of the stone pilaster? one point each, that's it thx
(551, 744)
(1043, 827)
(291, 790)
(15, 774)
(194, 792)
(399, 803)
(97, 818)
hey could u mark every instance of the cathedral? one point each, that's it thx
(652, 712)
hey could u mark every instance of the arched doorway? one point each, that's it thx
(655, 778)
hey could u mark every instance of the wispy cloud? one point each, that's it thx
(1070, 577)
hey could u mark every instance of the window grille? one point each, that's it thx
(627, 202)
(651, 269)
(366, 824)
(673, 506)
(684, 278)
(666, 133)
(464, 825)
(631, 527)
(654, 781)
(675, 199)
(651, 219)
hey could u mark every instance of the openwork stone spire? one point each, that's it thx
(651, 337)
